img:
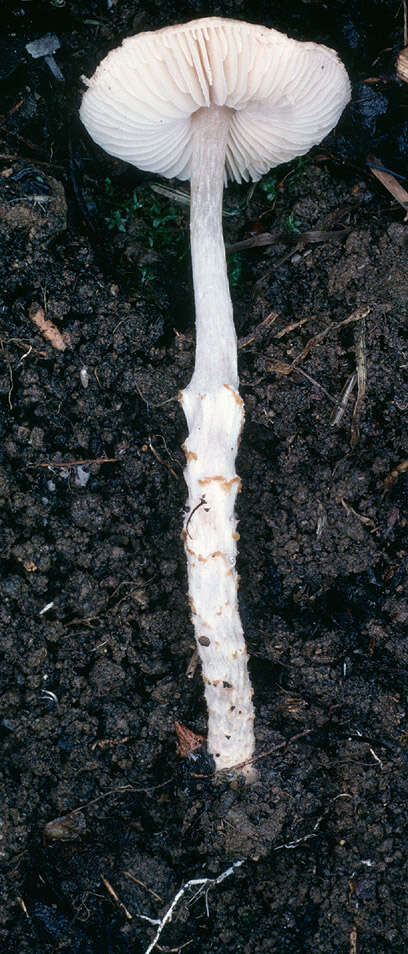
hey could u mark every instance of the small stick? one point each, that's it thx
(357, 315)
(258, 330)
(315, 383)
(367, 521)
(149, 403)
(361, 384)
(291, 327)
(390, 183)
(108, 743)
(338, 413)
(22, 343)
(143, 885)
(160, 459)
(113, 895)
(296, 240)
(282, 368)
(263, 755)
(176, 950)
(23, 907)
(79, 463)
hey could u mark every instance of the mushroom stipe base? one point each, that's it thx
(215, 421)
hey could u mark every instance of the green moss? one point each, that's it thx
(162, 224)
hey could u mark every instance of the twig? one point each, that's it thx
(338, 413)
(78, 463)
(204, 885)
(292, 326)
(259, 330)
(367, 521)
(23, 343)
(298, 242)
(143, 885)
(23, 907)
(117, 900)
(357, 315)
(82, 205)
(282, 368)
(390, 183)
(109, 743)
(292, 238)
(161, 461)
(119, 791)
(275, 748)
(176, 950)
(149, 403)
(262, 755)
(15, 107)
(315, 383)
(361, 384)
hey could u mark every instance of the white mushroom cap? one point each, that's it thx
(285, 96)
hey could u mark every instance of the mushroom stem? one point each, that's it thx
(216, 342)
(215, 416)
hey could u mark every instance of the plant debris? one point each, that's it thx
(48, 330)
(390, 183)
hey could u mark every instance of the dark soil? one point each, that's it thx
(96, 637)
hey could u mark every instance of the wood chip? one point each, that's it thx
(49, 331)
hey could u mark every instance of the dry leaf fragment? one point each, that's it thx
(188, 741)
(49, 331)
(65, 828)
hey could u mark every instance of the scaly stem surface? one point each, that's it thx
(215, 416)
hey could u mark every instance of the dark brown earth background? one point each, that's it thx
(102, 822)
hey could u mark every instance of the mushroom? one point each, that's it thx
(214, 100)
